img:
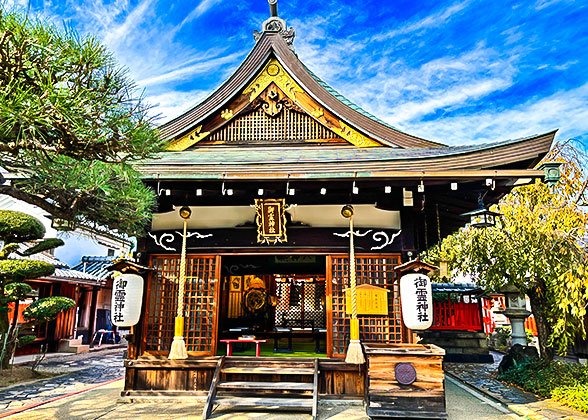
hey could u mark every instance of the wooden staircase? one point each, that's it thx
(264, 383)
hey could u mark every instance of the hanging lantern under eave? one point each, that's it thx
(482, 217)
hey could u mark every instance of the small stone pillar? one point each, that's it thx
(516, 311)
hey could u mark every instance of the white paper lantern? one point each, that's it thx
(416, 295)
(127, 297)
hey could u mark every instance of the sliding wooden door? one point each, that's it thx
(200, 300)
(377, 270)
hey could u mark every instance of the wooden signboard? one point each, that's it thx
(371, 300)
(271, 220)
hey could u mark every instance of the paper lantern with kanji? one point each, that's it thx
(127, 296)
(417, 301)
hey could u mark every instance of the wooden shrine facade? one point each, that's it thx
(274, 130)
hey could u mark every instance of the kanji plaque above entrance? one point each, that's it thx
(271, 220)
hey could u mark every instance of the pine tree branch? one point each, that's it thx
(36, 201)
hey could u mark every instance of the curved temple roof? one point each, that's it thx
(272, 65)
(273, 45)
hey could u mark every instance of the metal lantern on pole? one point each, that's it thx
(178, 348)
(482, 217)
(354, 351)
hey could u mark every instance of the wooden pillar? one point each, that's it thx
(93, 310)
(329, 305)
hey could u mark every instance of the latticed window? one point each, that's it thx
(199, 299)
(374, 270)
(257, 127)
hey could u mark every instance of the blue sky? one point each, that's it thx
(465, 71)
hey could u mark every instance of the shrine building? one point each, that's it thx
(262, 168)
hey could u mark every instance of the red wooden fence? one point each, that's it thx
(449, 315)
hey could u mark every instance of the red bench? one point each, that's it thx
(250, 340)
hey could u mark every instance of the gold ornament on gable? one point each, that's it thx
(188, 140)
(272, 72)
(227, 114)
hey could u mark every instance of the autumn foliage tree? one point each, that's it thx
(71, 125)
(538, 245)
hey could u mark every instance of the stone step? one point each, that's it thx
(73, 346)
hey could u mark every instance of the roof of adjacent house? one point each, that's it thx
(456, 288)
(62, 271)
(95, 265)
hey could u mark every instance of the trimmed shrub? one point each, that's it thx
(18, 270)
(47, 309)
(45, 245)
(19, 227)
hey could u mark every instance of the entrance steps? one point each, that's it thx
(289, 384)
(72, 346)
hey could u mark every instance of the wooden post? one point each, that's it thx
(93, 310)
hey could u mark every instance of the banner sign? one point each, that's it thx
(416, 296)
(127, 297)
(271, 220)
(371, 300)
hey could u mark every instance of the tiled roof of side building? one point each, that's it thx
(94, 265)
(62, 270)
(456, 287)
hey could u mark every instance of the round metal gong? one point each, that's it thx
(405, 373)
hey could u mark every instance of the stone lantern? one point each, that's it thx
(516, 311)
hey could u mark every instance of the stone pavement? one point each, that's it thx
(77, 372)
(103, 403)
(483, 378)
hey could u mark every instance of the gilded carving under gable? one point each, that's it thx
(354, 137)
(272, 72)
(188, 140)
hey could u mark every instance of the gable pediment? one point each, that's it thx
(271, 118)
(273, 109)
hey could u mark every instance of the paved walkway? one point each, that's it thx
(102, 403)
(483, 378)
(77, 372)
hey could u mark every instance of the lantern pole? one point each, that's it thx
(354, 351)
(178, 348)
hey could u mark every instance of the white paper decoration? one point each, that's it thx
(417, 301)
(127, 296)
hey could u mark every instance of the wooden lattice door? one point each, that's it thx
(377, 270)
(200, 302)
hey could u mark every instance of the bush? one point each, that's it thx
(572, 396)
(47, 309)
(19, 227)
(19, 270)
(547, 378)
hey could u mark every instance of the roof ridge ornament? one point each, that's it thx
(276, 24)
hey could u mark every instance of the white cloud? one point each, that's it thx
(198, 11)
(190, 71)
(133, 20)
(566, 110)
(172, 104)
(434, 20)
